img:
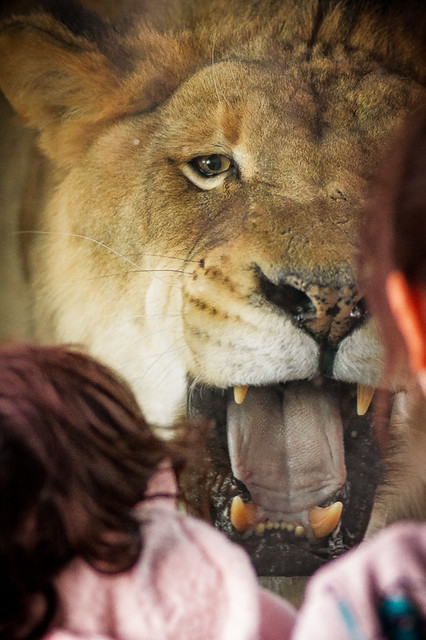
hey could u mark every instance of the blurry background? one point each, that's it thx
(19, 167)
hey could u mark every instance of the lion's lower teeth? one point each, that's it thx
(243, 515)
(324, 520)
(261, 527)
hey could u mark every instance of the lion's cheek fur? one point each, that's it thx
(134, 324)
(97, 282)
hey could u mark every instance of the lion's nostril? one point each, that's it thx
(359, 310)
(288, 298)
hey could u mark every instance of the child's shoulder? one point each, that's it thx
(189, 582)
(193, 544)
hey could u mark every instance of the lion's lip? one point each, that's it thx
(278, 551)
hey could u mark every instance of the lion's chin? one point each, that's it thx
(298, 538)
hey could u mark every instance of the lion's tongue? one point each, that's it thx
(286, 446)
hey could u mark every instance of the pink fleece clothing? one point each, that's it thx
(190, 583)
(343, 599)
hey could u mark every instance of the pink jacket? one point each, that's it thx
(190, 583)
(344, 600)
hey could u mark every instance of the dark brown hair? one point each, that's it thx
(75, 458)
(395, 230)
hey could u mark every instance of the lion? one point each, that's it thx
(210, 166)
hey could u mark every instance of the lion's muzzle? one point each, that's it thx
(326, 312)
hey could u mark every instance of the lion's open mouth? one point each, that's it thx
(281, 453)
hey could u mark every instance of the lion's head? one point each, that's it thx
(213, 165)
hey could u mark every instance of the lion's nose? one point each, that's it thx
(328, 313)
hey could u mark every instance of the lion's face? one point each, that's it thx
(209, 244)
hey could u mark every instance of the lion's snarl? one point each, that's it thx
(213, 160)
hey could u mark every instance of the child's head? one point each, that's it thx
(75, 459)
(393, 257)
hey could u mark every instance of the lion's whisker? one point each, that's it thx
(104, 246)
(165, 353)
(83, 237)
(154, 315)
(158, 255)
(125, 273)
(191, 389)
(163, 256)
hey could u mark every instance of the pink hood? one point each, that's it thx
(190, 583)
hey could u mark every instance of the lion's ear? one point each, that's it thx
(58, 82)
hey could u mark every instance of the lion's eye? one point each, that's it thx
(207, 172)
(209, 166)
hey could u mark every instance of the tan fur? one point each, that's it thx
(161, 277)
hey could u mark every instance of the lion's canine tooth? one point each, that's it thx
(242, 514)
(363, 398)
(324, 520)
(299, 530)
(240, 393)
